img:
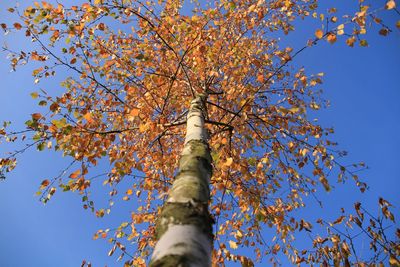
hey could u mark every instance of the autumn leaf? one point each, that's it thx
(350, 41)
(233, 244)
(364, 43)
(36, 116)
(157, 92)
(88, 117)
(339, 220)
(228, 162)
(390, 4)
(34, 95)
(134, 112)
(331, 37)
(44, 184)
(17, 26)
(75, 174)
(325, 183)
(101, 26)
(319, 33)
(384, 31)
(394, 261)
(340, 29)
(111, 252)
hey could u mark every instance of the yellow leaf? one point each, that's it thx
(88, 117)
(350, 41)
(233, 244)
(364, 43)
(390, 4)
(143, 127)
(340, 29)
(265, 160)
(34, 95)
(239, 234)
(319, 34)
(228, 162)
(314, 105)
(393, 261)
(398, 24)
(303, 152)
(98, 2)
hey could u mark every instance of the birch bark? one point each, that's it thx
(184, 227)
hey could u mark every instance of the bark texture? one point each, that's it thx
(184, 227)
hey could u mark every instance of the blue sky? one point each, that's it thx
(361, 83)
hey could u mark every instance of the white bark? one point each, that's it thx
(185, 240)
(195, 129)
(185, 225)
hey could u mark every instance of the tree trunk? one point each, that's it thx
(184, 227)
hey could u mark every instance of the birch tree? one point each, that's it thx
(203, 111)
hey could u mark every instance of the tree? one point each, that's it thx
(139, 69)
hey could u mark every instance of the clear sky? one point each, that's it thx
(361, 83)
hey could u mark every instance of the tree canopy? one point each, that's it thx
(131, 69)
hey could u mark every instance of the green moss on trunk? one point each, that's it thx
(184, 213)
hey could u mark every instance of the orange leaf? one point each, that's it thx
(319, 34)
(134, 112)
(228, 162)
(88, 117)
(75, 174)
(390, 4)
(331, 38)
(129, 192)
(44, 184)
(36, 116)
(260, 78)
(17, 26)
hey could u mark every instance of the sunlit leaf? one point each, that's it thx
(390, 4)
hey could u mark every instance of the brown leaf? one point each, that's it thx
(17, 26)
